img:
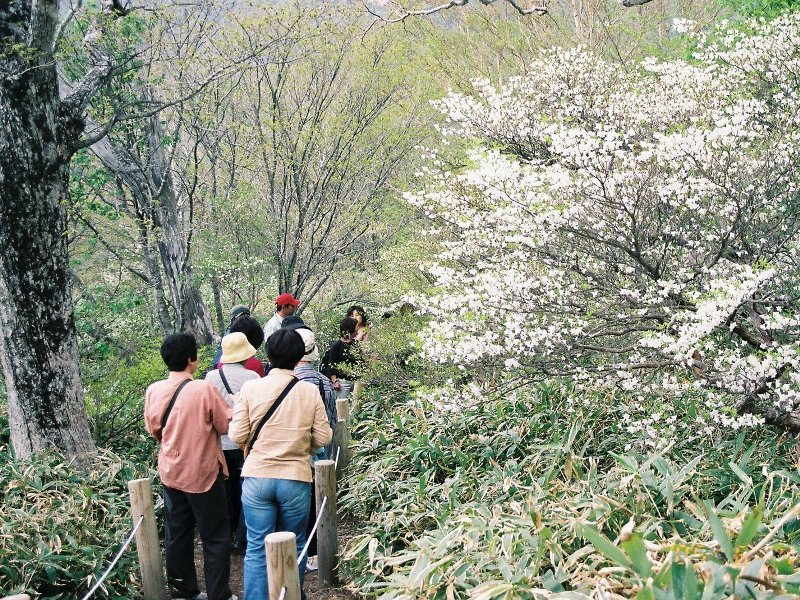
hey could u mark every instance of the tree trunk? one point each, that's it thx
(154, 270)
(38, 346)
(191, 313)
(155, 206)
(218, 304)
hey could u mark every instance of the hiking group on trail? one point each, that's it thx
(237, 447)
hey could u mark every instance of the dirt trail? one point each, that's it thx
(313, 591)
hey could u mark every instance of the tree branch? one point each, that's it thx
(540, 8)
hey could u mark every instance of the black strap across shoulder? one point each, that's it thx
(270, 412)
(171, 404)
(225, 380)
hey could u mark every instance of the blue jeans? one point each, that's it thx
(271, 505)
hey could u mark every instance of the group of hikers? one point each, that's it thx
(237, 447)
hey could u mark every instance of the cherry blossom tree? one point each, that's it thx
(635, 230)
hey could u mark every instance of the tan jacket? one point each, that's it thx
(293, 433)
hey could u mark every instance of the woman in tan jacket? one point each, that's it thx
(276, 489)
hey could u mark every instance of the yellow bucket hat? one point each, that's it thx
(236, 348)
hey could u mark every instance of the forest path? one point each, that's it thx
(313, 590)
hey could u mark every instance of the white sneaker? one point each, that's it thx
(311, 564)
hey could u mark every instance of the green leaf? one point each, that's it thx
(646, 593)
(740, 474)
(678, 580)
(604, 546)
(662, 579)
(691, 586)
(634, 547)
(719, 530)
(715, 584)
(783, 566)
(750, 527)
(550, 582)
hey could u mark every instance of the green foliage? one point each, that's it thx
(530, 495)
(389, 350)
(115, 400)
(110, 319)
(61, 527)
(761, 8)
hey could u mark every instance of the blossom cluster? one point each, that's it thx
(630, 228)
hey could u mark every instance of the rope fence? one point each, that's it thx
(115, 560)
(311, 535)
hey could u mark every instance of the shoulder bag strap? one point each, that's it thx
(270, 412)
(171, 404)
(225, 379)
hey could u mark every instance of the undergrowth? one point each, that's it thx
(61, 527)
(521, 498)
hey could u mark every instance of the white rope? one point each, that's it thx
(336, 462)
(283, 593)
(115, 561)
(320, 512)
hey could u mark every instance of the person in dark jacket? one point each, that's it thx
(342, 361)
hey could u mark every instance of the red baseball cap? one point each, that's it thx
(285, 299)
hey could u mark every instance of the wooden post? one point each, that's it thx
(343, 410)
(358, 388)
(342, 435)
(282, 565)
(151, 565)
(327, 542)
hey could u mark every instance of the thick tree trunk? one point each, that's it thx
(38, 347)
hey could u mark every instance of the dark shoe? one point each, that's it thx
(238, 549)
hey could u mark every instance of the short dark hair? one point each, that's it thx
(251, 328)
(177, 350)
(285, 348)
(360, 310)
(347, 325)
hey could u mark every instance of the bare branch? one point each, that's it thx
(63, 26)
(539, 8)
